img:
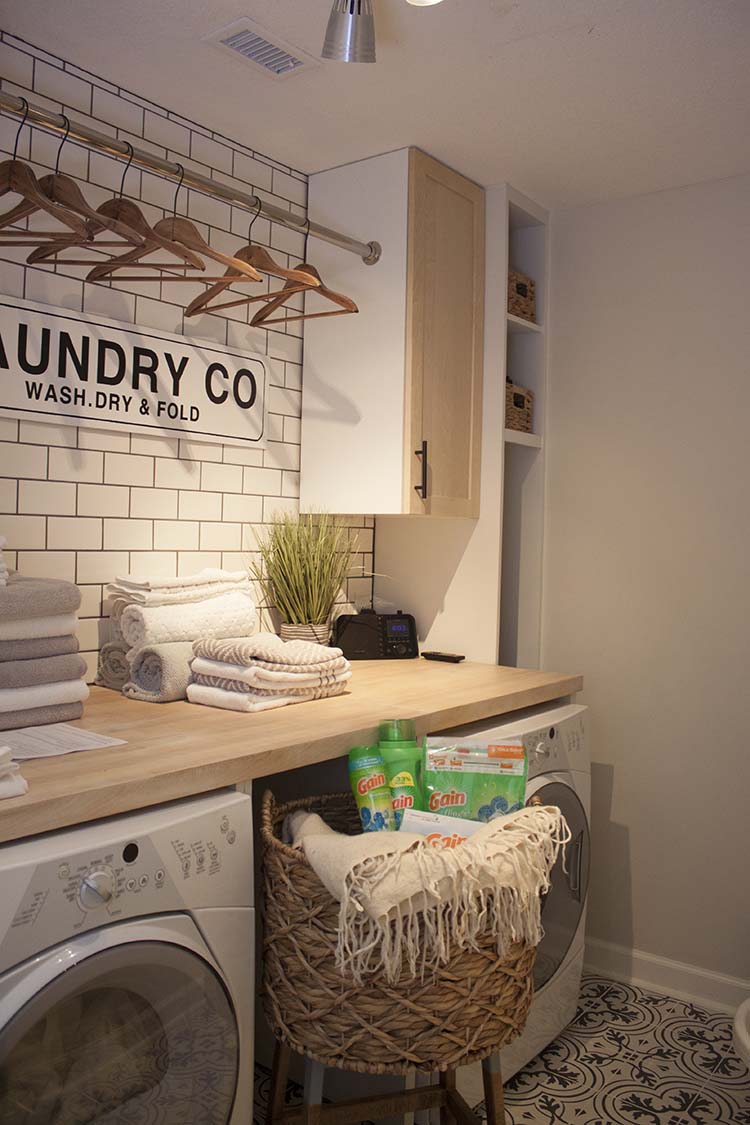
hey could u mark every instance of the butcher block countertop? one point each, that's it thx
(181, 749)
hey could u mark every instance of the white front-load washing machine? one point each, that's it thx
(127, 967)
(559, 773)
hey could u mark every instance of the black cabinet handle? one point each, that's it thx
(421, 489)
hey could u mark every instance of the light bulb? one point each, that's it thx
(423, 3)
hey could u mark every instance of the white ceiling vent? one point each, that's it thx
(249, 42)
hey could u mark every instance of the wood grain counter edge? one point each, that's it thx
(180, 750)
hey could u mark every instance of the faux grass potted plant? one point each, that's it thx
(304, 562)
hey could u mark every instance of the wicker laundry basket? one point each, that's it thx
(467, 1010)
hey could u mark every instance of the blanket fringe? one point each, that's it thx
(459, 903)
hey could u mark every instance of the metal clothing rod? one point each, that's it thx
(39, 117)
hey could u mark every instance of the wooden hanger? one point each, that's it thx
(259, 258)
(345, 304)
(18, 178)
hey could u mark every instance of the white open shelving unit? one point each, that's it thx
(523, 454)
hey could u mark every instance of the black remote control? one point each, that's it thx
(445, 657)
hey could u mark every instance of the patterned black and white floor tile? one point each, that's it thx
(628, 1058)
(634, 1058)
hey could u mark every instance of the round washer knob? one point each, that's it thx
(97, 888)
(541, 751)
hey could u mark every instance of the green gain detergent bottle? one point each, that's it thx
(402, 758)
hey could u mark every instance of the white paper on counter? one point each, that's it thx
(53, 740)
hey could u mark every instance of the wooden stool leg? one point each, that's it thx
(279, 1073)
(313, 1096)
(448, 1082)
(494, 1099)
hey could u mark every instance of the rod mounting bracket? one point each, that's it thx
(376, 252)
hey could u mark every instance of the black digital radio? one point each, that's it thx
(377, 636)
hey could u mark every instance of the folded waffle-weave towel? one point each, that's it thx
(259, 678)
(29, 628)
(253, 701)
(37, 648)
(159, 673)
(403, 901)
(12, 784)
(53, 669)
(37, 597)
(230, 615)
(269, 651)
(40, 716)
(209, 574)
(43, 695)
(287, 691)
(178, 595)
(113, 670)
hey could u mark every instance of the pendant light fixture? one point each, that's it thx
(350, 35)
(423, 3)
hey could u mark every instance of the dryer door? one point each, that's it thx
(563, 904)
(137, 1032)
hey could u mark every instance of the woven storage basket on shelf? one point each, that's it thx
(519, 408)
(521, 295)
(467, 1010)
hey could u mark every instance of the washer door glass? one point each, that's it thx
(563, 904)
(139, 1034)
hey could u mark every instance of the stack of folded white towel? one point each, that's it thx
(3, 564)
(263, 672)
(154, 622)
(41, 673)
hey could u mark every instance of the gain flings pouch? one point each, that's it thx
(473, 779)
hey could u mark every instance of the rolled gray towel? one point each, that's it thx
(40, 716)
(114, 668)
(51, 670)
(37, 648)
(160, 673)
(37, 597)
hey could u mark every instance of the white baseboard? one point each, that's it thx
(673, 978)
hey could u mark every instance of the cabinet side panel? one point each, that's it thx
(353, 384)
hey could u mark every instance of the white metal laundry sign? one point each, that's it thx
(91, 370)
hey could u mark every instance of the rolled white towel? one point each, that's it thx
(231, 615)
(159, 673)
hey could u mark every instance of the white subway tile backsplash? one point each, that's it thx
(101, 566)
(177, 474)
(48, 564)
(74, 533)
(222, 478)
(153, 503)
(220, 536)
(38, 497)
(103, 500)
(85, 503)
(127, 468)
(279, 506)
(128, 535)
(262, 482)
(24, 532)
(22, 460)
(76, 464)
(90, 634)
(200, 505)
(176, 535)
(243, 509)
(8, 495)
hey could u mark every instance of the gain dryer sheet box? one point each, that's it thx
(473, 779)
(444, 832)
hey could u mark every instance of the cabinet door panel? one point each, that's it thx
(445, 307)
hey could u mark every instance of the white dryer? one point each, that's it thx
(127, 967)
(559, 774)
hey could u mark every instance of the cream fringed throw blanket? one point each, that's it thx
(405, 904)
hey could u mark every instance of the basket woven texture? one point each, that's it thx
(519, 408)
(521, 295)
(467, 1010)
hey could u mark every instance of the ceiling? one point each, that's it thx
(572, 101)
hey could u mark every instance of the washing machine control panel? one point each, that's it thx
(558, 747)
(122, 869)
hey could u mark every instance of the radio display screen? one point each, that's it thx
(397, 628)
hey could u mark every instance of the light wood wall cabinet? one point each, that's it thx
(392, 397)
